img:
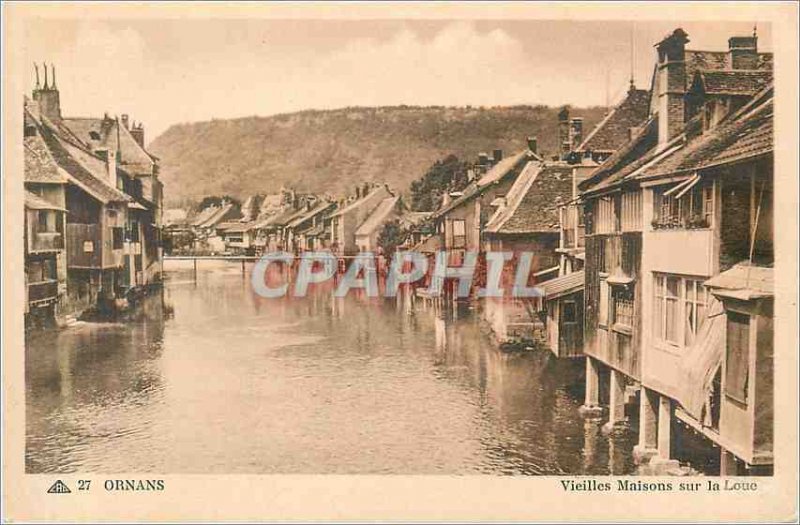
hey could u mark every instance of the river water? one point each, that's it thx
(209, 377)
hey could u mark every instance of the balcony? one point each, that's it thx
(84, 246)
(45, 242)
(42, 292)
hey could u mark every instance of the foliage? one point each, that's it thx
(215, 200)
(445, 175)
(392, 235)
(332, 151)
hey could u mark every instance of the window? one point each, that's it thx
(44, 222)
(688, 208)
(737, 361)
(679, 309)
(459, 233)
(623, 307)
(696, 299)
(602, 308)
(569, 313)
(133, 231)
(117, 237)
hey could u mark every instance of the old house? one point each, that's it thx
(367, 233)
(526, 224)
(350, 216)
(460, 223)
(45, 252)
(563, 296)
(696, 181)
(307, 228)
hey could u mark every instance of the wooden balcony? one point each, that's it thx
(43, 292)
(45, 242)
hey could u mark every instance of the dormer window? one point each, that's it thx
(94, 135)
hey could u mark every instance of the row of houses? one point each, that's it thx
(92, 233)
(289, 221)
(653, 250)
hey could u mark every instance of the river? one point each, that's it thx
(208, 377)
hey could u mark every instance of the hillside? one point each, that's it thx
(332, 151)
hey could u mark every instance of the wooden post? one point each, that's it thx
(195, 269)
(665, 414)
(243, 272)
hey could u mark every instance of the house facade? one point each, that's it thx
(695, 180)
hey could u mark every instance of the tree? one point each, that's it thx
(449, 174)
(391, 236)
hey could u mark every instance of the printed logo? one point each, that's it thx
(59, 487)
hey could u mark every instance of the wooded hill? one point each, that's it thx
(333, 151)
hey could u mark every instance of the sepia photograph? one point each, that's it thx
(515, 246)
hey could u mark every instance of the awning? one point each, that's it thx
(563, 285)
(34, 202)
(701, 361)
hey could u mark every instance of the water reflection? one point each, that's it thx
(234, 383)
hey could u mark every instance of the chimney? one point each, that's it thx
(672, 85)
(111, 165)
(564, 143)
(743, 51)
(497, 155)
(137, 132)
(125, 121)
(533, 145)
(47, 96)
(576, 132)
(483, 160)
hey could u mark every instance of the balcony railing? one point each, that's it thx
(42, 291)
(84, 249)
(46, 242)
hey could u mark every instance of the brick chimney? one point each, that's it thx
(564, 144)
(671, 85)
(744, 51)
(125, 121)
(137, 132)
(47, 96)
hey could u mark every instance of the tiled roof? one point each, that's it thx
(625, 160)
(613, 131)
(514, 197)
(318, 208)
(732, 82)
(566, 284)
(717, 60)
(506, 167)
(747, 134)
(537, 211)
(378, 216)
(83, 169)
(204, 215)
(34, 202)
(368, 198)
(108, 133)
(40, 167)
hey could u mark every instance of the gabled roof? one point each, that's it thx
(534, 206)
(369, 197)
(34, 202)
(82, 168)
(503, 169)
(732, 82)
(40, 166)
(320, 207)
(108, 133)
(378, 216)
(613, 131)
(204, 215)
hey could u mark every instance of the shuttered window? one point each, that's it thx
(632, 211)
(737, 363)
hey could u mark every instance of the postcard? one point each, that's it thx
(400, 262)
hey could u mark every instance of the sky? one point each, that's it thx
(165, 72)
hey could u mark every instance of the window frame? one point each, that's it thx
(683, 304)
(743, 383)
